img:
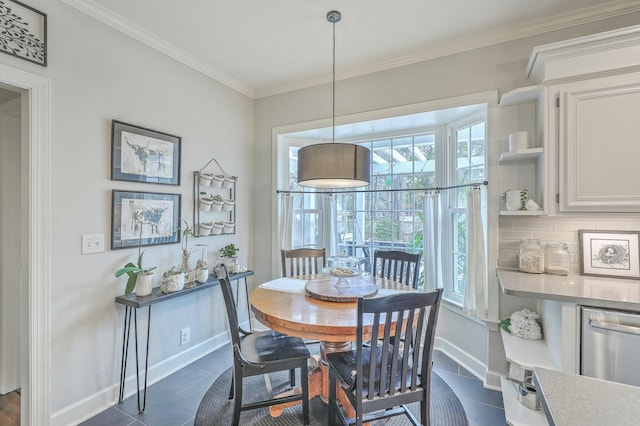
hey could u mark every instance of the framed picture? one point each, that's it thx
(149, 217)
(610, 253)
(24, 32)
(144, 155)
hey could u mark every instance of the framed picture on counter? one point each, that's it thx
(614, 254)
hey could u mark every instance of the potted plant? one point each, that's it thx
(202, 267)
(229, 255)
(205, 201)
(173, 280)
(187, 232)
(217, 203)
(140, 277)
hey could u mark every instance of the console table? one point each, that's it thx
(132, 303)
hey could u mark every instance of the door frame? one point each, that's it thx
(36, 173)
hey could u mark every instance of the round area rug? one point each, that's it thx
(216, 409)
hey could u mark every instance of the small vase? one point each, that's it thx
(202, 275)
(144, 284)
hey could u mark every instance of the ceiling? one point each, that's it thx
(261, 47)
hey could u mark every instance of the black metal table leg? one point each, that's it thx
(142, 405)
(125, 350)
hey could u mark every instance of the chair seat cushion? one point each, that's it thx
(271, 346)
(345, 365)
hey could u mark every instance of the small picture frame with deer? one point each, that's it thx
(139, 154)
(144, 219)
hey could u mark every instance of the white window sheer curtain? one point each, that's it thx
(432, 237)
(327, 237)
(286, 221)
(476, 294)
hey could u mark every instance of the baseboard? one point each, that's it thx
(490, 379)
(108, 397)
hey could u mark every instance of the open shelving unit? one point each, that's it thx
(527, 354)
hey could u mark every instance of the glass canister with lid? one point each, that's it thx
(531, 258)
(557, 259)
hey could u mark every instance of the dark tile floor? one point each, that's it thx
(174, 400)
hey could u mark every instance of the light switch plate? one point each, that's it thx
(92, 243)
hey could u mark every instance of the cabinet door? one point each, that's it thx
(599, 150)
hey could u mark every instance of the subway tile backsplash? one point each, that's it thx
(552, 229)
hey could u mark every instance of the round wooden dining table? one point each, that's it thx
(285, 306)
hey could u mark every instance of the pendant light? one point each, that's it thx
(334, 165)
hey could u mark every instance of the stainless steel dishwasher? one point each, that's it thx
(610, 345)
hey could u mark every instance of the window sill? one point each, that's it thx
(457, 309)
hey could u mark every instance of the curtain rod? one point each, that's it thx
(362, 191)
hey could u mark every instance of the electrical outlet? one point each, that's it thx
(92, 243)
(185, 336)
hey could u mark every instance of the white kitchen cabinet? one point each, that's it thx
(593, 105)
(525, 169)
(598, 124)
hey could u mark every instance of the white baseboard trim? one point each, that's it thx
(490, 379)
(106, 398)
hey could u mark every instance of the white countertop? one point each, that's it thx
(569, 399)
(613, 293)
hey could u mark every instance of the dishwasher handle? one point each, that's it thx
(621, 328)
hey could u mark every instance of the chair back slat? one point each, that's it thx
(397, 265)
(303, 261)
(400, 323)
(229, 302)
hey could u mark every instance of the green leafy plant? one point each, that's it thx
(134, 269)
(230, 250)
(187, 232)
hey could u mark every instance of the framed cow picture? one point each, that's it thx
(145, 218)
(139, 154)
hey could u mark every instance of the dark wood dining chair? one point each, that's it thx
(302, 261)
(397, 265)
(262, 353)
(380, 379)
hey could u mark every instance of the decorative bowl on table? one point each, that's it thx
(342, 273)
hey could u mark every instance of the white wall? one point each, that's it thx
(98, 75)
(499, 67)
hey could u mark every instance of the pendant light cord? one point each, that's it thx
(333, 113)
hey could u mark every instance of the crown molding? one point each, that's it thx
(132, 30)
(559, 22)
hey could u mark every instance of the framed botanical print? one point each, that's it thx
(23, 32)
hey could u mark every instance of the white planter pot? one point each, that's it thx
(228, 182)
(144, 284)
(228, 205)
(217, 205)
(217, 181)
(229, 228)
(205, 179)
(217, 229)
(204, 229)
(172, 283)
(205, 204)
